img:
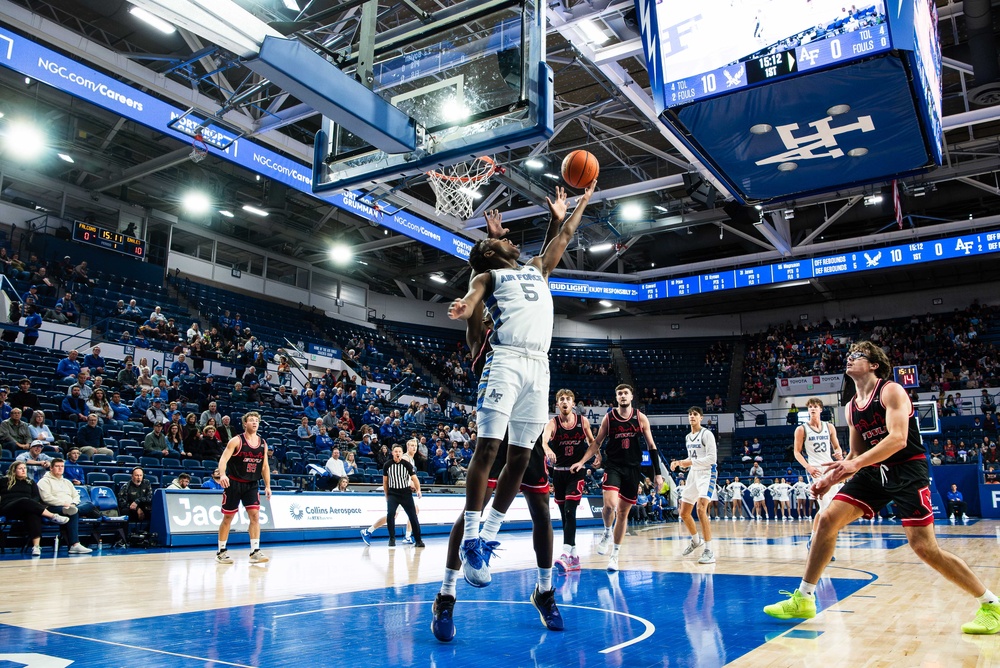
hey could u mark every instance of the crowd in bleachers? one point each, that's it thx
(673, 375)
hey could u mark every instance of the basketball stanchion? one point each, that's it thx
(456, 190)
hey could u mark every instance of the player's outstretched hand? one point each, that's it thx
(550, 456)
(589, 192)
(558, 207)
(494, 225)
(224, 481)
(458, 309)
(673, 465)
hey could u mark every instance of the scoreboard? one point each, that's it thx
(906, 375)
(104, 238)
(787, 271)
(714, 47)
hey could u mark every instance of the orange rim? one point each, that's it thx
(467, 179)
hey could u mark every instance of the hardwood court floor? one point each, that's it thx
(344, 604)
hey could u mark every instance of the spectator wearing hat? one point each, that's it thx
(31, 294)
(37, 461)
(24, 398)
(32, 323)
(155, 443)
(156, 415)
(135, 497)
(69, 307)
(5, 407)
(14, 432)
(90, 438)
(56, 315)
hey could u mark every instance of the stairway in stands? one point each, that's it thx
(622, 370)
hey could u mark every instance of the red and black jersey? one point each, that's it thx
(625, 439)
(568, 444)
(869, 420)
(247, 463)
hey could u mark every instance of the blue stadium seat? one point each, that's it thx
(97, 478)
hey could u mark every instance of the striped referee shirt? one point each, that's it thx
(398, 475)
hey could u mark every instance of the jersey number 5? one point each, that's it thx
(529, 292)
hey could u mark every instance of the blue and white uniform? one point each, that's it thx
(818, 449)
(514, 385)
(703, 455)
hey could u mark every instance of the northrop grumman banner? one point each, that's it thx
(810, 385)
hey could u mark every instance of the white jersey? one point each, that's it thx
(817, 446)
(757, 491)
(521, 308)
(780, 491)
(701, 451)
(801, 490)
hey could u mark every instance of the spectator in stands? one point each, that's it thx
(156, 414)
(81, 275)
(212, 443)
(238, 395)
(439, 466)
(386, 433)
(304, 430)
(155, 444)
(56, 315)
(74, 407)
(19, 499)
(74, 472)
(84, 383)
(346, 423)
(69, 308)
(141, 403)
(990, 476)
(68, 367)
(344, 441)
(756, 470)
(133, 312)
(350, 464)
(39, 430)
(281, 399)
(118, 310)
(465, 452)
(14, 432)
(183, 481)
(61, 496)
(37, 461)
(32, 323)
(127, 379)
(211, 412)
(175, 440)
(330, 419)
(90, 438)
(31, 294)
(135, 497)
(193, 333)
(225, 429)
(213, 481)
(24, 398)
(145, 381)
(986, 403)
(94, 361)
(101, 407)
(180, 369)
(322, 440)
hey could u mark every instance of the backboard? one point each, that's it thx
(474, 82)
(927, 417)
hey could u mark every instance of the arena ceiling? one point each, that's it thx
(602, 104)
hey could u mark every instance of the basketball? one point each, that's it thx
(579, 168)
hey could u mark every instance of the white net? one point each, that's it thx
(199, 149)
(457, 189)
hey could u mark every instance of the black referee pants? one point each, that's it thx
(393, 500)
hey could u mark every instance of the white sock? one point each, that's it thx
(254, 544)
(491, 527)
(708, 545)
(617, 548)
(544, 579)
(371, 529)
(572, 551)
(806, 589)
(989, 597)
(450, 579)
(409, 533)
(567, 548)
(607, 532)
(222, 545)
(695, 539)
(471, 525)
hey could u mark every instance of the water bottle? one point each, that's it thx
(55, 549)
(100, 544)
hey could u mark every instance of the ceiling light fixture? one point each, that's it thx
(291, 5)
(24, 141)
(605, 303)
(196, 202)
(163, 26)
(592, 32)
(630, 211)
(534, 163)
(66, 158)
(600, 248)
(341, 254)
(438, 278)
(227, 214)
(254, 210)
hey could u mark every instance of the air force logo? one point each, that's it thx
(821, 144)
(495, 396)
(965, 246)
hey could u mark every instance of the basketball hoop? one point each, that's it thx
(456, 190)
(199, 149)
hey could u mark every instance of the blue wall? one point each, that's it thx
(966, 476)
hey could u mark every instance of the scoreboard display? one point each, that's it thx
(713, 47)
(104, 238)
(906, 375)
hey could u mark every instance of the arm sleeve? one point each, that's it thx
(711, 451)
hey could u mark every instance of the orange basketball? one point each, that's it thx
(579, 168)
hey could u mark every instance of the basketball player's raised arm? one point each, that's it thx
(465, 307)
(554, 250)
(595, 445)
(230, 450)
(799, 442)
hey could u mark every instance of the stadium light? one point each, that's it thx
(341, 254)
(23, 140)
(254, 210)
(150, 19)
(600, 248)
(196, 202)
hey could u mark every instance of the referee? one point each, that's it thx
(397, 477)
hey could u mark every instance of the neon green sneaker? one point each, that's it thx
(797, 605)
(987, 621)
